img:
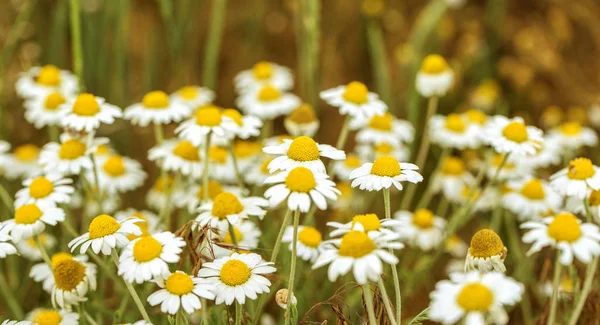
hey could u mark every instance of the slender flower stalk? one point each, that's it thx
(236, 168)
(213, 43)
(42, 249)
(369, 304)
(293, 266)
(158, 133)
(9, 297)
(388, 307)
(555, 288)
(239, 313)
(398, 293)
(206, 166)
(6, 199)
(232, 234)
(132, 292)
(76, 46)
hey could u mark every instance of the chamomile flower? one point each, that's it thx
(567, 234)
(548, 154)
(206, 120)
(146, 257)
(51, 188)
(42, 272)
(258, 172)
(221, 164)
(191, 195)
(267, 102)
(106, 233)
(42, 316)
(193, 96)
(31, 220)
(511, 169)
(23, 162)
(180, 290)
(241, 126)
(246, 235)
(572, 136)
(156, 108)
(435, 77)
(421, 229)
(565, 288)
(157, 196)
(383, 173)
(309, 242)
(230, 208)
(46, 110)
(451, 178)
(302, 151)
(371, 152)
(486, 252)
(369, 222)
(301, 187)
(86, 112)
(486, 95)
(477, 298)
(40, 81)
(30, 249)
(72, 281)
(343, 168)
(578, 179)
(477, 119)
(576, 205)
(301, 121)
(6, 247)
(247, 153)
(118, 174)
(355, 100)
(454, 131)
(149, 222)
(513, 136)
(71, 156)
(531, 198)
(237, 277)
(179, 156)
(264, 73)
(386, 128)
(359, 251)
(457, 248)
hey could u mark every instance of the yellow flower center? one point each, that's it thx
(187, 151)
(453, 166)
(86, 105)
(103, 149)
(356, 244)
(218, 154)
(226, 204)
(594, 199)
(264, 167)
(208, 116)
(515, 132)
(486, 243)
(497, 161)
(386, 166)
(146, 249)
(383, 148)
(27, 214)
(163, 183)
(143, 225)
(476, 116)
(40, 187)
(237, 233)
(214, 188)
(564, 227)
(188, 92)
(356, 93)
(53, 101)
(179, 284)
(47, 317)
(48, 75)
(369, 221)
(570, 128)
(352, 161)
(268, 94)
(234, 115)
(310, 236)
(580, 168)
(566, 285)
(246, 149)
(533, 190)
(59, 257)
(300, 179)
(423, 218)
(68, 273)
(303, 114)
(27, 152)
(454, 122)
(156, 100)
(71, 149)
(114, 166)
(382, 122)
(434, 64)
(303, 148)
(262, 70)
(103, 225)
(475, 297)
(234, 273)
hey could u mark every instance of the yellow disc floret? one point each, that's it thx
(103, 225)
(303, 148)
(455, 123)
(227, 239)
(27, 214)
(40, 187)
(580, 168)
(146, 249)
(269, 93)
(226, 204)
(533, 190)
(234, 115)
(71, 149)
(156, 100)
(187, 151)
(86, 105)
(188, 92)
(262, 70)
(179, 284)
(214, 188)
(434, 64)
(310, 236)
(423, 218)
(208, 116)
(218, 154)
(356, 244)
(68, 274)
(48, 75)
(234, 273)
(356, 93)
(54, 100)
(386, 166)
(565, 227)
(303, 114)
(594, 198)
(114, 166)
(300, 179)
(382, 122)
(59, 257)
(369, 221)
(246, 149)
(453, 166)
(476, 116)
(486, 243)
(27, 152)
(47, 317)
(475, 297)
(352, 161)
(570, 128)
(516, 132)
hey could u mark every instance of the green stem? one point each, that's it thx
(388, 307)
(341, 141)
(42, 249)
(159, 135)
(232, 234)
(379, 61)
(132, 292)
(555, 289)
(369, 304)
(206, 166)
(76, 42)
(293, 266)
(236, 168)
(9, 297)
(587, 288)
(238, 313)
(397, 292)
(213, 43)
(53, 133)
(6, 199)
(497, 216)
(588, 214)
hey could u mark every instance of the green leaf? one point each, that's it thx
(420, 318)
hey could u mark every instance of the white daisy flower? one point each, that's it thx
(476, 298)
(572, 136)
(179, 156)
(567, 234)
(149, 224)
(237, 277)
(227, 208)
(576, 205)
(457, 248)
(302, 151)
(513, 136)
(51, 188)
(578, 179)
(72, 281)
(156, 108)
(264, 73)
(369, 222)
(383, 173)
(46, 110)
(512, 168)
(451, 177)
(247, 153)
(118, 174)
(191, 196)
(71, 156)
(4, 155)
(6, 247)
(301, 121)
(241, 126)
(157, 196)
(343, 168)
(454, 131)
(309, 243)
(42, 272)
(221, 164)
(386, 128)
(267, 102)
(435, 77)
(486, 252)
(485, 95)
(146, 257)
(421, 229)
(257, 173)
(23, 162)
(355, 100)
(531, 198)
(486, 201)
(246, 236)
(193, 96)
(40, 81)
(549, 154)
(30, 250)
(42, 316)
(371, 152)
(106, 233)
(206, 120)
(476, 118)
(565, 288)
(301, 187)
(86, 112)
(31, 220)
(360, 252)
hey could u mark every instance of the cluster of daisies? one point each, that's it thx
(223, 179)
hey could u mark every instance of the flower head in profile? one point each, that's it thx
(180, 291)
(86, 112)
(31, 250)
(193, 96)
(106, 233)
(43, 272)
(578, 179)
(179, 156)
(205, 120)
(355, 100)
(240, 126)
(451, 177)
(573, 136)
(485, 95)
(156, 108)
(531, 198)
(49, 189)
(383, 173)
(303, 120)
(43, 316)
(40, 81)
(369, 222)
(46, 110)
(309, 243)
(435, 76)
(267, 102)
(23, 162)
(72, 281)
(513, 136)
(263, 73)
(229, 208)
(421, 229)
(455, 131)
(386, 128)
(31, 220)
(117, 174)
(302, 151)
(71, 155)
(486, 252)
